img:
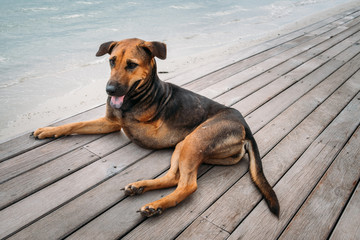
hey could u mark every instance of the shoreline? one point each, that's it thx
(92, 95)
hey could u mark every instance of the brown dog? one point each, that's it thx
(155, 115)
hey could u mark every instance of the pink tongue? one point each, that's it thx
(116, 102)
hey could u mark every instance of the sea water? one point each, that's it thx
(47, 50)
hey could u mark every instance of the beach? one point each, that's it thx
(53, 83)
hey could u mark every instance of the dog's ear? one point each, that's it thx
(106, 48)
(156, 49)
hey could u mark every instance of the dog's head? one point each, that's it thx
(131, 62)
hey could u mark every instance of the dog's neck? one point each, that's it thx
(152, 94)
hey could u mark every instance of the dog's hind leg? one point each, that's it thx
(188, 161)
(215, 139)
(170, 179)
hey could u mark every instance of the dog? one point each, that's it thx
(155, 114)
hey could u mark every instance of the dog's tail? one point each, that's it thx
(258, 177)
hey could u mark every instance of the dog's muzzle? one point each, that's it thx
(110, 89)
(116, 93)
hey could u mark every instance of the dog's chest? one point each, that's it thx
(154, 135)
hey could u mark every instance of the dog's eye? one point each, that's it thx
(112, 62)
(131, 65)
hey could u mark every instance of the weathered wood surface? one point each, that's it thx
(300, 95)
(348, 226)
(324, 205)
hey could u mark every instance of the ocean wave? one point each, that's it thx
(132, 3)
(308, 2)
(39, 9)
(280, 9)
(3, 59)
(188, 6)
(95, 62)
(68, 16)
(111, 29)
(88, 3)
(8, 84)
(15, 81)
(228, 12)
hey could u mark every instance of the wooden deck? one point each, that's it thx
(300, 95)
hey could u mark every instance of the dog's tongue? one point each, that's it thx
(116, 102)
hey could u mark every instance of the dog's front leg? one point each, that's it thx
(98, 126)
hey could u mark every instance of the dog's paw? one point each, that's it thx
(131, 190)
(148, 211)
(47, 132)
(32, 135)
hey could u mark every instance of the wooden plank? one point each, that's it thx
(227, 215)
(286, 98)
(332, 20)
(44, 175)
(109, 143)
(316, 45)
(210, 186)
(296, 184)
(318, 215)
(24, 184)
(211, 231)
(43, 154)
(348, 226)
(99, 199)
(293, 115)
(122, 217)
(243, 65)
(243, 90)
(25, 143)
(234, 69)
(96, 200)
(19, 145)
(296, 83)
(47, 199)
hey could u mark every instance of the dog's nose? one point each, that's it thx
(110, 89)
